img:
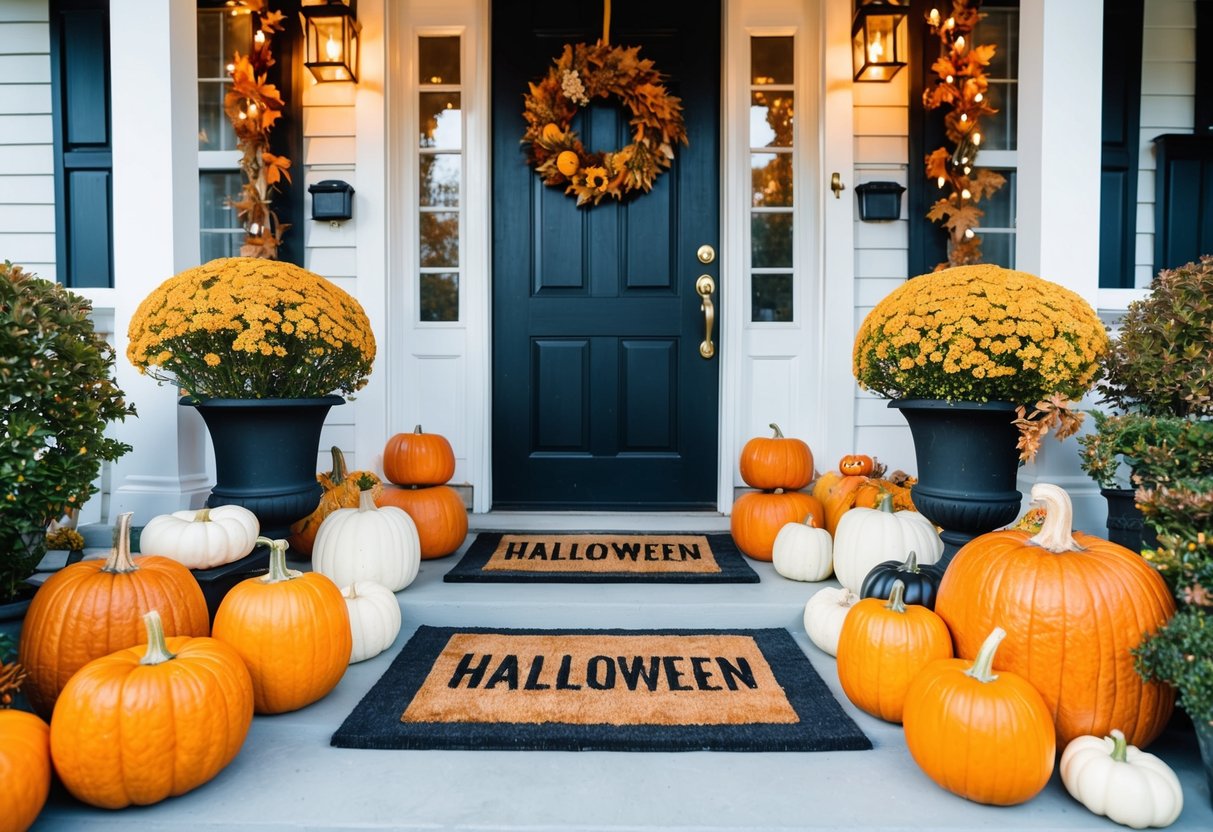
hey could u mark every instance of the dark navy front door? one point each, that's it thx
(601, 398)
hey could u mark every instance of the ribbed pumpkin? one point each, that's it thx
(418, 459)
(897, 483)
(921, 582)
(985, 736)
(882, 646)
(293, 631)
(368, 543)
(152, 721)
(374, 618)
(1073, 608)
(202, 538)
(776, 462)
(92, 608)
(25, 769)
(759, 515)
(438, 512)
(868, 536)
(341, 490)
(836, 493)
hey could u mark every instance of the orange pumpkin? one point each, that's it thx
(341, 490)
(777, 462)
(1073, 608)
(438, 512)
(92, 608)
(293, 631)
(418, 459)
(151, 722)
(836, 493)
(898, 484)
(759, 515)
(882, 647)
(25, 768)
(985, 736)
(855, 465)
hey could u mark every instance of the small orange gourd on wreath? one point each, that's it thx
(582, 73)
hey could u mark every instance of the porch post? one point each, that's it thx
(1057, 223)
(155, 193)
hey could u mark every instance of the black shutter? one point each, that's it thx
(1122, 28)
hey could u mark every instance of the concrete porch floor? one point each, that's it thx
(287, 775)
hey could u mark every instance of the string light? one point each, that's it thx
(259, 37)
(965, 194)
(960, 43)
(231, 68)
(964, 117)
(977, 99)
(969, 235)
(948, 79)
(976, 138)
(941, 181)
(933, 17)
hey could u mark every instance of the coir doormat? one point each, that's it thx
(603, 557)
(600, 690)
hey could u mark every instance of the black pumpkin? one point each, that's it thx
(921, 582)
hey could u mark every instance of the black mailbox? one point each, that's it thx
(332, 200)
(879, 200)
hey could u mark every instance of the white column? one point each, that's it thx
(1057, 222)
(154, 89)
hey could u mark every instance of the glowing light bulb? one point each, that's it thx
(969, 234)
(976, 138)
(965, 194)
(332, 49)
(948, 79)
(254, 229)
(933, 17)
(964, 117)
(978, 98)
(949, 23)
(941, 181)
(876, 50)
(243, 116)
(960, 42)
(964, 160)
(259, 38)
(967, 169)
(231, 68)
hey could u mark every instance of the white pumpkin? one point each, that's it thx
(374, 618)
(802, 552)
(824, 614)
(1120, 781)
(368, 543)
(201, 539)
(866, 537)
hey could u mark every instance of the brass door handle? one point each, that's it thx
(836, 185)
(705, 286)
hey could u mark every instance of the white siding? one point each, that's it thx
(27, 171)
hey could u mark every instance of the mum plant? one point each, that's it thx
(984, 333)
(58, 398)
(248, 328)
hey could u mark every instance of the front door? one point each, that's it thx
(601, 397)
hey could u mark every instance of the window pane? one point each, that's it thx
(439, 179)
(771, 177)
(220, 244)
(210, 44)
(771, 297)
(440, 239)
(438, 60)
(1000, 26)
(770, 61)
(440, 297)
(998, 249)
(771, 119)
(440, 120)
(998, 130)
(1000, 205)
(214, 189)
(214, 130)
(771, 240)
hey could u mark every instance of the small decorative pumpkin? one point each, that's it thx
(759, 515)
(152, 721)
(92, 608)
(803, 552)
(368, 543)
(438, 512)
(202, 539)
(882, 646)
(418, 458)
(899, 484)
(855, 465)
(291, 628)
(341, 490)
(25, 768)
(824, 614)
(374, 618)
(778, 462)
(1074, 606)
(1121, 782)
(985, 736)
(836, 493)
(867, 536)
(921, 582)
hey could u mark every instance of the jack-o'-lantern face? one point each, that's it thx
(855, 465)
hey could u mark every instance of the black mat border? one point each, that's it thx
(470, 568)
(805, 689)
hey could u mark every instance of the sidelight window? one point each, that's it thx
(772, 110)
(440, 178)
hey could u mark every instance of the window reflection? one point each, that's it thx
(771, 240)
(771, 180)
(439, 180)
(771, 298)
(770, 61)
(771, 116)
(440, 239)
(440, 120)
(440, 296)
(438, 60)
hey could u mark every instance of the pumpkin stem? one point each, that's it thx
(202, 515)
(983, 665)
(339, 472)
(278, 571)
(157, 647)
(417, 429)
(897, 598)
(808, 519)
(1054, 534)
(885, 501)
(1120, 746)
(119, 561)
(778, 432)
(366, 500)
(911, 564)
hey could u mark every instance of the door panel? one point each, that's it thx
(600, 396)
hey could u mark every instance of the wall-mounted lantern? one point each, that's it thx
(878, 39)
(879, 201)
(330, 31)
(332, 200)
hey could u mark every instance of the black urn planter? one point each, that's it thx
(1125, 523)
(265, 455)
(967, 466)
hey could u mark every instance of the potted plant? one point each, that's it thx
(962, 353)
(1157, 383)
(56, 382)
